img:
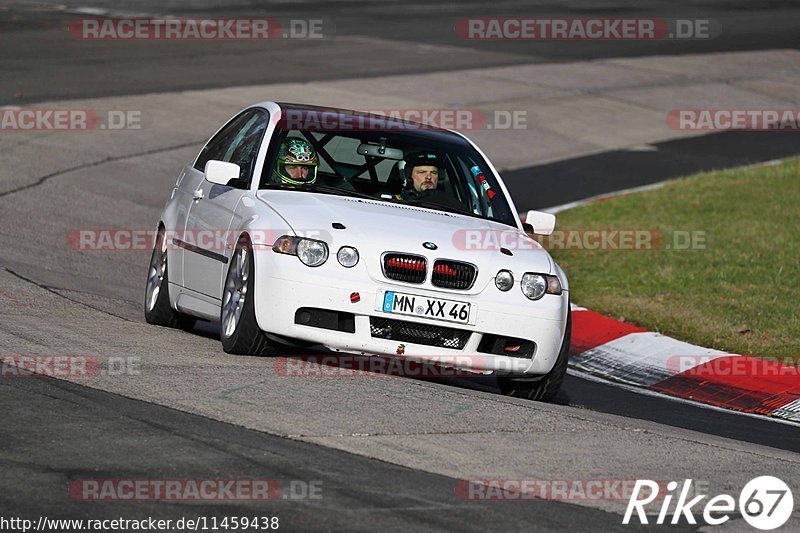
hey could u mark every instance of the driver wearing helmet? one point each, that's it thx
(297, 162)
(422, 180)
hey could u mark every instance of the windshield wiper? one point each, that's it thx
(315, 187)
(436, 206)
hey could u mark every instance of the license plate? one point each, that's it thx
(399, 303)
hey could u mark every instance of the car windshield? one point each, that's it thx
(451, 175)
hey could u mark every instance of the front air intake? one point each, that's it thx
(405, 267)
(416, 333)
(453, 274)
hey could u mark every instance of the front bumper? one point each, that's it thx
(283, 285)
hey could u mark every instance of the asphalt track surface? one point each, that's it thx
(573, 179)
(56, 431)
(198, 448)
(39, 60)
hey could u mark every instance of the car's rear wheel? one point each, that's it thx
(238, 327)
(157, 309)
(547, 387)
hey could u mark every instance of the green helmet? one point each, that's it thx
(298, 152)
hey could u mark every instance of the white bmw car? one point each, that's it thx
(300, 225)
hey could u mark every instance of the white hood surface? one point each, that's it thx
(375, 227)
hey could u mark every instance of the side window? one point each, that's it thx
(220, 141)
(238, 142)
(244, 149)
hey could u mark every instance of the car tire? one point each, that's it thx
(238, 327)
(545, 389)
(157, 309)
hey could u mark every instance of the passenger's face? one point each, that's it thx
(425, 177)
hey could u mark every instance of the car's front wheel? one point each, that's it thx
(157, 309)
(546, 388)
(238, 328)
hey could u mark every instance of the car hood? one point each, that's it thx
(375, 227)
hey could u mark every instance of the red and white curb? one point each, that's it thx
(618, 352)
(623, 353)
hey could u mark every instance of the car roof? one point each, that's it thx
(427, 132)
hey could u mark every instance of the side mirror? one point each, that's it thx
(220, 172)
(539, 223)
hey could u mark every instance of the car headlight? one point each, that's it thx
(534, 286)
(504, 280)
(310, 252)
(347, 256)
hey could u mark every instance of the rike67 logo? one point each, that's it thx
(765, 503)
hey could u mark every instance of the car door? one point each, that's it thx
(207, 242)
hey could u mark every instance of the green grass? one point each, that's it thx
(740, 293)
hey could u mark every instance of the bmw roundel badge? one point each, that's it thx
(429, 245)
